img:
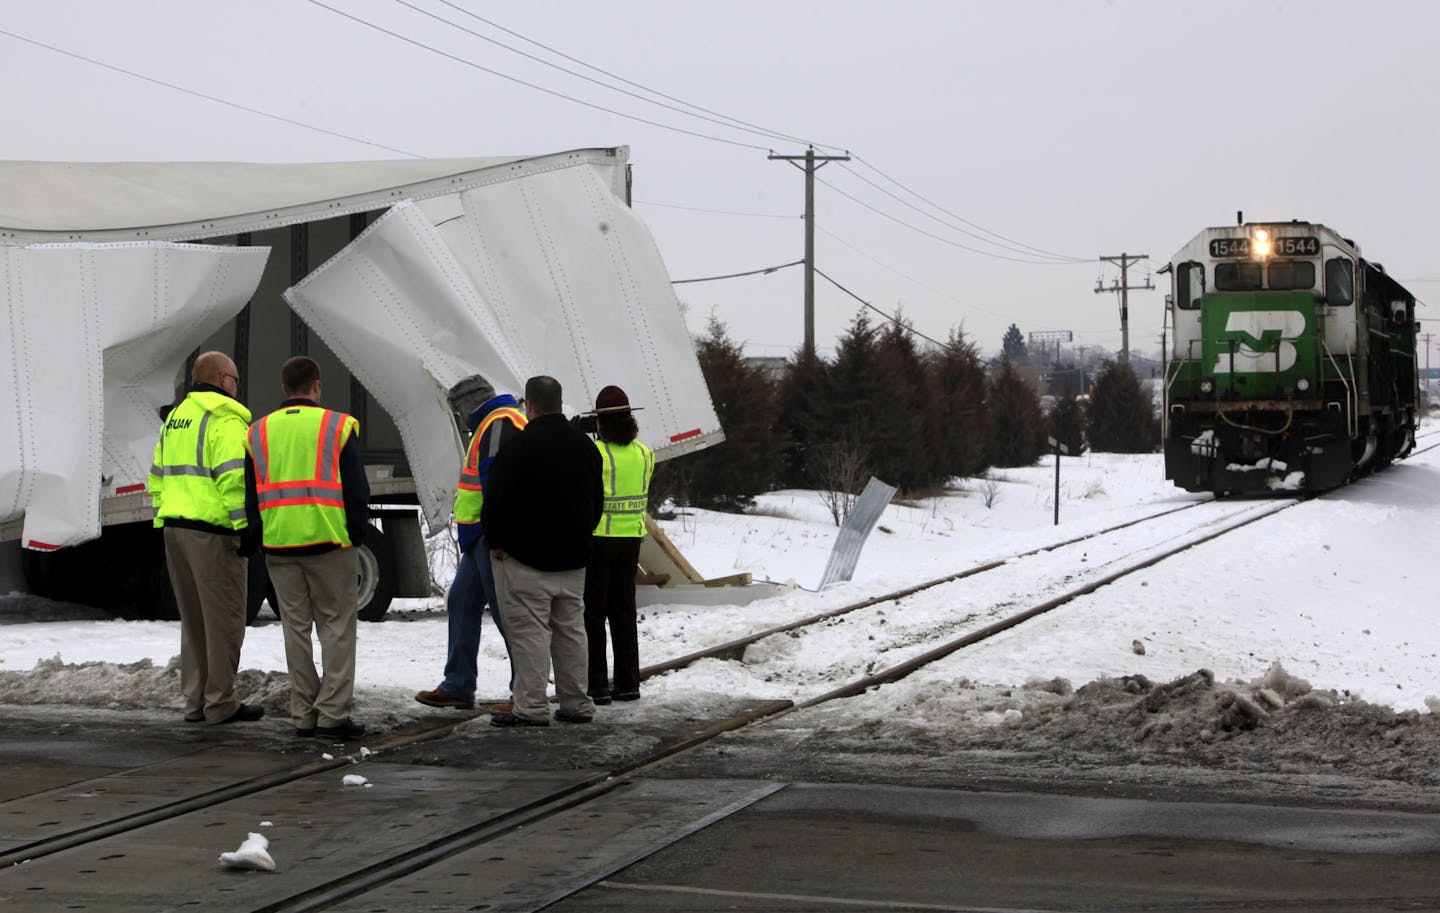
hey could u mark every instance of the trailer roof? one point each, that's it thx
(110, 201)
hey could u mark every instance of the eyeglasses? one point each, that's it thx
(232, 377)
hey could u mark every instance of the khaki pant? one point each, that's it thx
(319, 592)
(544, 616)
(209, 578)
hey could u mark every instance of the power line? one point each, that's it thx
(231, 104)
(987, 231)
(530, 85)
(405, 152)
(735, 122)
(1014, 247)
(650, 101)
(928, 234)
(753, 272)
(904, 275)
(720, 212)
(895, 320)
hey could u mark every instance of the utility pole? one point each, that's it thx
(810, 159)
(1426, 386)
(1083, 391)
(1123, 286)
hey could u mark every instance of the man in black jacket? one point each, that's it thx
(542, 501)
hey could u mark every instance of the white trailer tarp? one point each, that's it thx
(542, 273)
(93, 337)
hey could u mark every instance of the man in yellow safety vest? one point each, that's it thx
(313, 495)
(200, 485)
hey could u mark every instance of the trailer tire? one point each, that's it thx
(377, 576)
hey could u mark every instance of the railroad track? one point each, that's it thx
(576, 792)
(440, 727)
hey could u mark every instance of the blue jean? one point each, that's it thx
(472, 590)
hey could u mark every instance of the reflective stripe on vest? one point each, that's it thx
(470, 472)
(625, 476)
(300, 490)
(180, 497)
(470, 492)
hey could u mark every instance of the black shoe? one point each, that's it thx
(348, 729)
(304, 732)
(601, 698)
(572, 716)
(627, 695)
(510, 719)
(196, 717)
(245, 713)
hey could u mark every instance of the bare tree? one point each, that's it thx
(840, 468)
(442, 555)
(989, 491)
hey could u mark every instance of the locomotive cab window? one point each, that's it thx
(1237, 276)
(1190, 283)
(1287, 275)
(1339, 281)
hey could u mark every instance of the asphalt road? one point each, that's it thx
(679, 839)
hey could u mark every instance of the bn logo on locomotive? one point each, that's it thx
(1259, 341)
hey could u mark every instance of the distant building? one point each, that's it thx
(772, 366)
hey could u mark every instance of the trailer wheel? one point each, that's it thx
(377, 576)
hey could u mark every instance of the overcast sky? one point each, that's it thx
(1056, 132)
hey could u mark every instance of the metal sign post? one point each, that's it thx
(1059, 449)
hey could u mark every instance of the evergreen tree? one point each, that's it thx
(903, 431)
(1017, 435)
(1067, 421)
(729, 475)
(803, 403)
(1120, 418)
(962, 414)
(860, 400)
(1012, 347)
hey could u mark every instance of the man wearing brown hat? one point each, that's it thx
(493, 421)
(542, 501)
(626, 468)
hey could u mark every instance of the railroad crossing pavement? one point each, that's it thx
(644, 843)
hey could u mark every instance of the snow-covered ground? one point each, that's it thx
(1338, 591)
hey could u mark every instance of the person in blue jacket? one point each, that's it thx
(493, 421)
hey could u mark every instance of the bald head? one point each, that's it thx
(216, 369)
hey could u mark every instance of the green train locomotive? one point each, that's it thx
(1290, 364)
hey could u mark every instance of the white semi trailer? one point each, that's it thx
(398, 277)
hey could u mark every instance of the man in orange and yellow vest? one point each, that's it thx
(493, 421)
(313, 495)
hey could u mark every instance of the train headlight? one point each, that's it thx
(1302, 384)
(1260, 243)
(1207, 386)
